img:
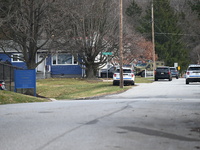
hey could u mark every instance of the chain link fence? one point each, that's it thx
(7, 75)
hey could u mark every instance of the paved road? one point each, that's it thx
(177, 89)
(158, 116)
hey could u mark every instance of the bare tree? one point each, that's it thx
(139, 48)
(92, 28)
(28, 26)
(195, 54)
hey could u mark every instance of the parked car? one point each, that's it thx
(2, 85)
(141, 68)
(174, 72)
(163, 72)
(128, 77)
(193, 74)
(107, 72)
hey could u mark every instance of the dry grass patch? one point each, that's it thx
(65, 88)
(7, 97)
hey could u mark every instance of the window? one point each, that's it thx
(17, 58)
(124, 71)
(63, 59)
(194, 68)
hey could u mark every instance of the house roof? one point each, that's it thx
(11, 46)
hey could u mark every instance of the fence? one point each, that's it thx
(149, 73)
(7, 75)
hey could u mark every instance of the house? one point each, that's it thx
(61, 65)
(55, 65)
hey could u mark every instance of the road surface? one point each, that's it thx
(156, 116)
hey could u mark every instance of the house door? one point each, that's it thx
(41, 66)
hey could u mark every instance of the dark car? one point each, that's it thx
(163, 73)
(174, 72)
(107, 73)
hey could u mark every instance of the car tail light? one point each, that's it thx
(188, 73)
(114, 75)
(154, 72)
(132, 75)
(169, 72)
(0, 84)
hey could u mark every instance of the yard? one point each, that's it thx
(67, 88)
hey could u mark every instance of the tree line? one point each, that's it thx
(86, 28)
(177, 32)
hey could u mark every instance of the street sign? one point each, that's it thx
(107, 53)
(175, 64)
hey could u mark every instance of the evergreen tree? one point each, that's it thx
(195, 6)
(168, 44)
(133, 9)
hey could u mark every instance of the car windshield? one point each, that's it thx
(124, 71)
(194, 68)
(161, 69)
(173, 69)
(141, 65)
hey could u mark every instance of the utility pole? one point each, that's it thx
(153, 38)
(121, 42)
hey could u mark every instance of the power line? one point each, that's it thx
(176, 34)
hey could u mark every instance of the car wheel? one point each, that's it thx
(170, 79)
(133, 83)
(187, 82)
(103, 75)
(143, 74)
(156, 79)
(176, 77)
(110, 76)
(114, 83)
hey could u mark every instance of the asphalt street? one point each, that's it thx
(162, 115)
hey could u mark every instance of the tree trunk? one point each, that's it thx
(91, 71)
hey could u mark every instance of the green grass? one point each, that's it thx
(67, 88)
(75, 88)
(143, 80)
(7, 97)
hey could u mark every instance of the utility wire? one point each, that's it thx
(176, 34)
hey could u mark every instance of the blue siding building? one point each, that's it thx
(7, 59)
(58, 65)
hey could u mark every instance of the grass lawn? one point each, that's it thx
(7, 97)
(144, 80)
(67, 88)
